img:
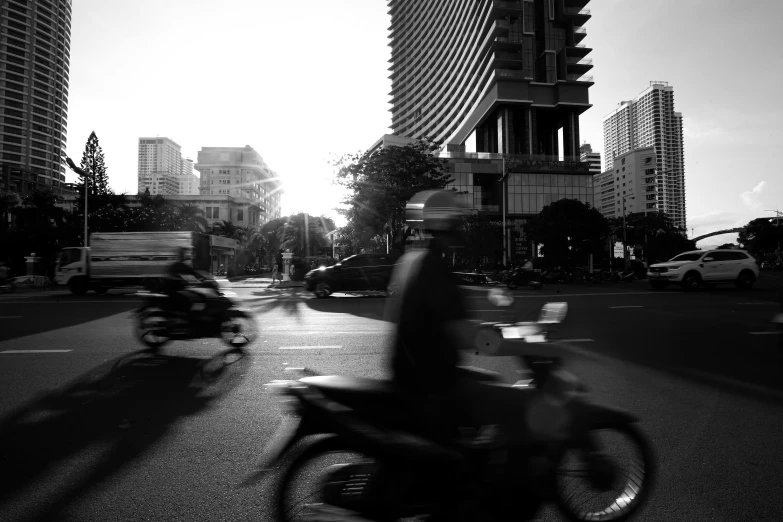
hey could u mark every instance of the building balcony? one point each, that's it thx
(509, 73)
(508, 59)
(579, 78)
(579, 16)
(579, 34)
(506, 8)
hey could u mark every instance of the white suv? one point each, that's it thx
(705, 268)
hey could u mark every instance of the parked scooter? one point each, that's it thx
(370, 463)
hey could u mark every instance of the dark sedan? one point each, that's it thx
(362, 272)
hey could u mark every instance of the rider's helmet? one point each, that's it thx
(434, 211)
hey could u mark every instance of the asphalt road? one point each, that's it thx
(90, 430)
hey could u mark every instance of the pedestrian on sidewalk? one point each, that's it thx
(276, 273)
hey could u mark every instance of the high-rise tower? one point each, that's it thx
(35, 39)
(649, 120)
(506, 76)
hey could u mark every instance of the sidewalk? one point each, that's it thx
(262, 282)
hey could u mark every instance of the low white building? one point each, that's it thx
(630, 186)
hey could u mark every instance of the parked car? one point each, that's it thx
(361, 272)
(698, 268)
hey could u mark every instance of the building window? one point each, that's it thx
(240, 216)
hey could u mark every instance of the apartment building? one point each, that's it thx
(630, 186)
(35, 39)
(649, 120)
(239, 173)
(163, 170)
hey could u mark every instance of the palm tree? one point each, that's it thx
(302, 234)
(223, 228)
(191, 217)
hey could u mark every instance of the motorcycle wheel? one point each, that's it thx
(610, 485)
(238, 330)
(305, 486)
(152, 329)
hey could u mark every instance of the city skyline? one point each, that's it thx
(679, 44)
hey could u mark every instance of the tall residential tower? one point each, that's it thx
(35, 39)
(500, 76)
(649, 120)
(501, 84)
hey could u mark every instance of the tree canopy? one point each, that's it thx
(567, 230)
(381, 182)
(94, 163)
(654, 235)
(762, 236)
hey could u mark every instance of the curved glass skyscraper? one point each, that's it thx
(505, 75)
(35, 39)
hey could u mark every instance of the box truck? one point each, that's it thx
(123, 259)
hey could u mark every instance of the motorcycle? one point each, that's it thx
(159, 321)
(369, 463)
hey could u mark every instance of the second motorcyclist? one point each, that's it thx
(186, 287)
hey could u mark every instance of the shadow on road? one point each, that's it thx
(60, 311)
(64, 444)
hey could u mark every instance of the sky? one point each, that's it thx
(307, 82)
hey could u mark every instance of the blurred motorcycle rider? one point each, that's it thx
(186, 298)
(431, 327)
(431, 324)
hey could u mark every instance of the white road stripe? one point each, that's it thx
(629, 306)
(35, 351)
(328, 332)
(330, 347)
(764, 333)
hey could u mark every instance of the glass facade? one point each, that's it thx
(530, 193)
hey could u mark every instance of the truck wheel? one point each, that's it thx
(77, 286)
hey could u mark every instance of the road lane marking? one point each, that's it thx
(764, 333)
(330, 347)
(35, 351)
(327, 332)
(628, 306)
(585, 340)
(536, 295)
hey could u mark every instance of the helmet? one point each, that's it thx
(434, 210)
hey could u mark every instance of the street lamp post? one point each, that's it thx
(83, 173)
(625, 246)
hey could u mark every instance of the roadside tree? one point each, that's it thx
(568, 230)
(381, 182)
